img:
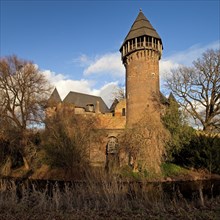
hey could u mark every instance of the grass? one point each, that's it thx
(99, 198)
(170, 170)
(167, 170)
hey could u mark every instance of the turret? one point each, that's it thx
(141, 52)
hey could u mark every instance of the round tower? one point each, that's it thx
(141, 52)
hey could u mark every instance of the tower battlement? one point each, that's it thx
(149, 45)
(141, 55)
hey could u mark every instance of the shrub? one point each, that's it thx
(67, 140)
(180, 133)
(202, 152)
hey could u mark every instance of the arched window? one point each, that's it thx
(112, 146)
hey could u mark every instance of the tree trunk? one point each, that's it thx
(6, 168)
(26, 164)
(207, 128)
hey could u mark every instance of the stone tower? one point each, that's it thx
(141, 52)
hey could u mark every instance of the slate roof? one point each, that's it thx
(82, 100)
(112, 108)
(55, 97)
(141, 27)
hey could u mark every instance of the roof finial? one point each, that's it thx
(140, 10)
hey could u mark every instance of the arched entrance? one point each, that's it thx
(112, 156)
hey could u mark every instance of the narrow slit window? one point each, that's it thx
(123, 112)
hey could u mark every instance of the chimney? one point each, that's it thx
(97, 110)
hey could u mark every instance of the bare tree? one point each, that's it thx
(23, 94)
(197, 89)
(24, 91)
(118, 93)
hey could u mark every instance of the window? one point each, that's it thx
(90, 108)
(112, 146)
(123, 112)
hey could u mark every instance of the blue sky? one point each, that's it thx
(76, 43)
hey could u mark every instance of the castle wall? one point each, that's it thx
(109, 124)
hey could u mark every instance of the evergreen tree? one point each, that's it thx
(180, 132)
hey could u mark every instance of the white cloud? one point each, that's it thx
(64, 86)
(106, 92)
(193, 53)
(83, 60)
(166, 66)
(185, 57)
(52, 76)
(109, 63)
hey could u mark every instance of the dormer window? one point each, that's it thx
(90, 108)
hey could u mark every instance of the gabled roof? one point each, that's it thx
(82, 100)
(55, 97)
(141, 27)
(112, 108)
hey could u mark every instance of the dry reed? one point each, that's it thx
(98, 199)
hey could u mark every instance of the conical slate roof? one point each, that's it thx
(55, 97)
(141, 27)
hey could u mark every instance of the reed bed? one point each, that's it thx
(103, 199)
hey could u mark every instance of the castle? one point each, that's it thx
(140, 53)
